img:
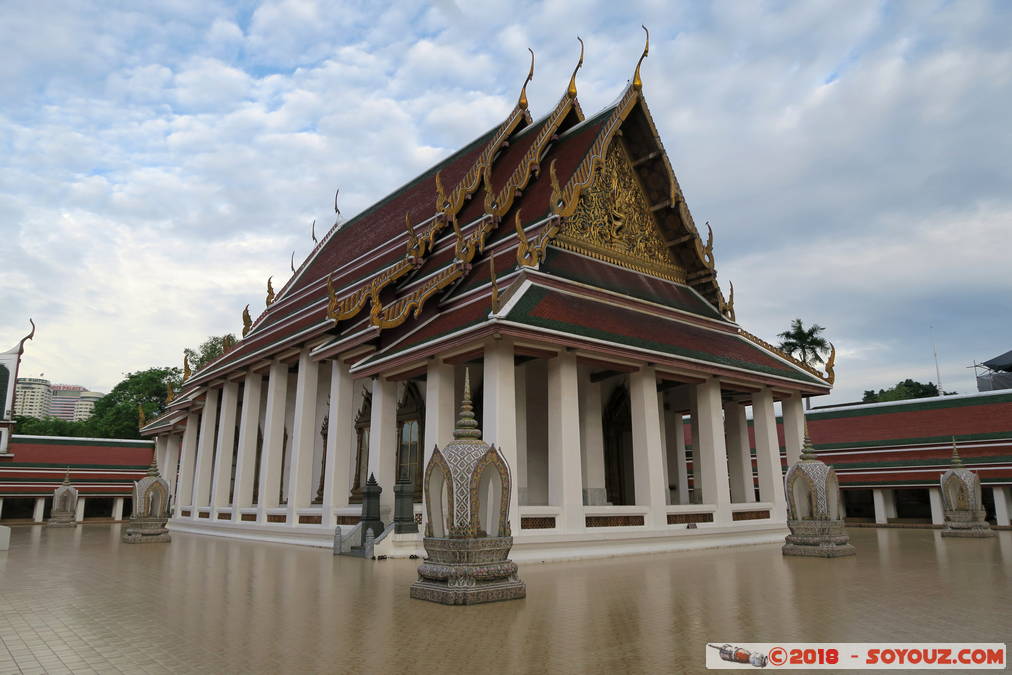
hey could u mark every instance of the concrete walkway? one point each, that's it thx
(78, 600)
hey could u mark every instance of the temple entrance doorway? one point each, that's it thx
(618, 450)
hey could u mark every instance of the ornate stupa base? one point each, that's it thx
(817, 539)
(969, 524)
(61, 519)
(145, 531)
(468, 572)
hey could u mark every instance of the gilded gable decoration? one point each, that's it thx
(613, 221)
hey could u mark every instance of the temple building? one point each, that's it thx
(557, 260)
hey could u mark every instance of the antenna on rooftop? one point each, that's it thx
(938, 372)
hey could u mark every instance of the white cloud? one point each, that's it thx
(157, 164)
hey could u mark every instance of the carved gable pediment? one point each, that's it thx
(613, 221)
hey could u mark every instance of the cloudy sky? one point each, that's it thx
(158, 161)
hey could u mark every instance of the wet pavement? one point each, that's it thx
(80, 601)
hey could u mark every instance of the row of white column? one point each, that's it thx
(576, 470)
(884, 501)
(576, 449)
(39, 510)
(204, 454)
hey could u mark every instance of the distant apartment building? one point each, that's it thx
(36, 397)
(32, 396)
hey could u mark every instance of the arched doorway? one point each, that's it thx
(618, 455)
(410, 432)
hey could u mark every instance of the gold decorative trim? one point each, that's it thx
(186, 368)
(247, 321)
(397, 312)
(635, 264)
(530, 164)
(532, 253)
(782, 354)
(270, 292)
(496, 303)
(831, 365)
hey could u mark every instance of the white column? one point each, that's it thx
(767, 454)
(187, 459)
(794, 427)
(300, 458)
(879, 497)
(739, 456)
(565, 485)
(648, 446)
(383, 441)
(225, 447)
(40, 509)
(937, 510)
(592, 439)
(171, 465)
(340, 448)
(117, 508)
(712, 451)
(274, 438)
(249, 426)
(439, 406)
(79, 511)
(1001, 505)
(678, 431)
(205, 450)
(890, 503)
(499, 415)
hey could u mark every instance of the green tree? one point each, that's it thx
(904, 390)
(806, 344)
(116, 414)
(209, 350)
(50, 426)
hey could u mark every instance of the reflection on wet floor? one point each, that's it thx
(79, 600)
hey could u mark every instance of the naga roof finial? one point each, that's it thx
(170, 393)
(830, 365)
(270, 291)
(467, 425)
(571, 91)
(312, 232)
(247, 321)
(293, 261)
(530, 76)
(637, 82)
(186, 368)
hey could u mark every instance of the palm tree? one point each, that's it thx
(807, 344)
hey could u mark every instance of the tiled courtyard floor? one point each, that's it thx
(80, 601)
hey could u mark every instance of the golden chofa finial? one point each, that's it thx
(530, 76)
(571, 92)
(637, 82)
(270, 291)
(186, 368)
(247, 321)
